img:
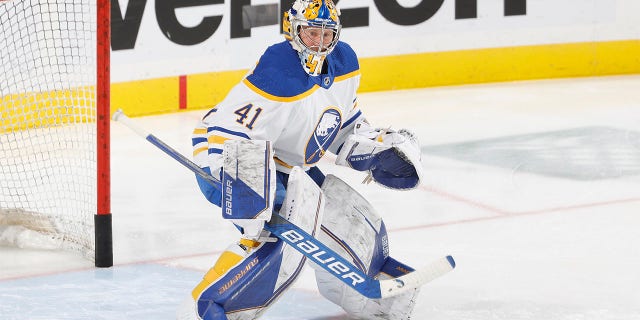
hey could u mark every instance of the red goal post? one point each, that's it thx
(55, 126)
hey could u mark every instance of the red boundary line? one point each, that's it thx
(158, 261)
(514, 215)
(498, 214)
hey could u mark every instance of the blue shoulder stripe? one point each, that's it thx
(227, 131)
(348, 122)
(279, 76)
(279, 73)
(195, 141)
(343, 60)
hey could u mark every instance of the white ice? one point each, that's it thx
(527, 245)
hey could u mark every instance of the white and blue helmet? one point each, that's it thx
(321, 14)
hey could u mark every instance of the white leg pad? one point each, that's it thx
(304, 202)
(354, 230)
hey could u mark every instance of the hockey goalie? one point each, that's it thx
(263, 142)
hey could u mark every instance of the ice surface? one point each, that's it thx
(529, 243)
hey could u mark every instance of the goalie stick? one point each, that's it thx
(311, 247)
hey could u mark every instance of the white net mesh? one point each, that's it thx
(47, 120)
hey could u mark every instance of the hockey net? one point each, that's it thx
(51, 91)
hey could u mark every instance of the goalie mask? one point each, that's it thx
(313, 28)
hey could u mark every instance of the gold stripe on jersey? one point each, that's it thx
(217, 139)
(299, 96)
(347, 76)
(282, 163)
(202, 131)
(277, 98)
(196, 152)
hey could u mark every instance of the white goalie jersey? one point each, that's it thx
(303, 116)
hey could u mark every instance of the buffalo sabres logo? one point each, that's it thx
(324, 134)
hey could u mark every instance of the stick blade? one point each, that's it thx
(417, 278)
